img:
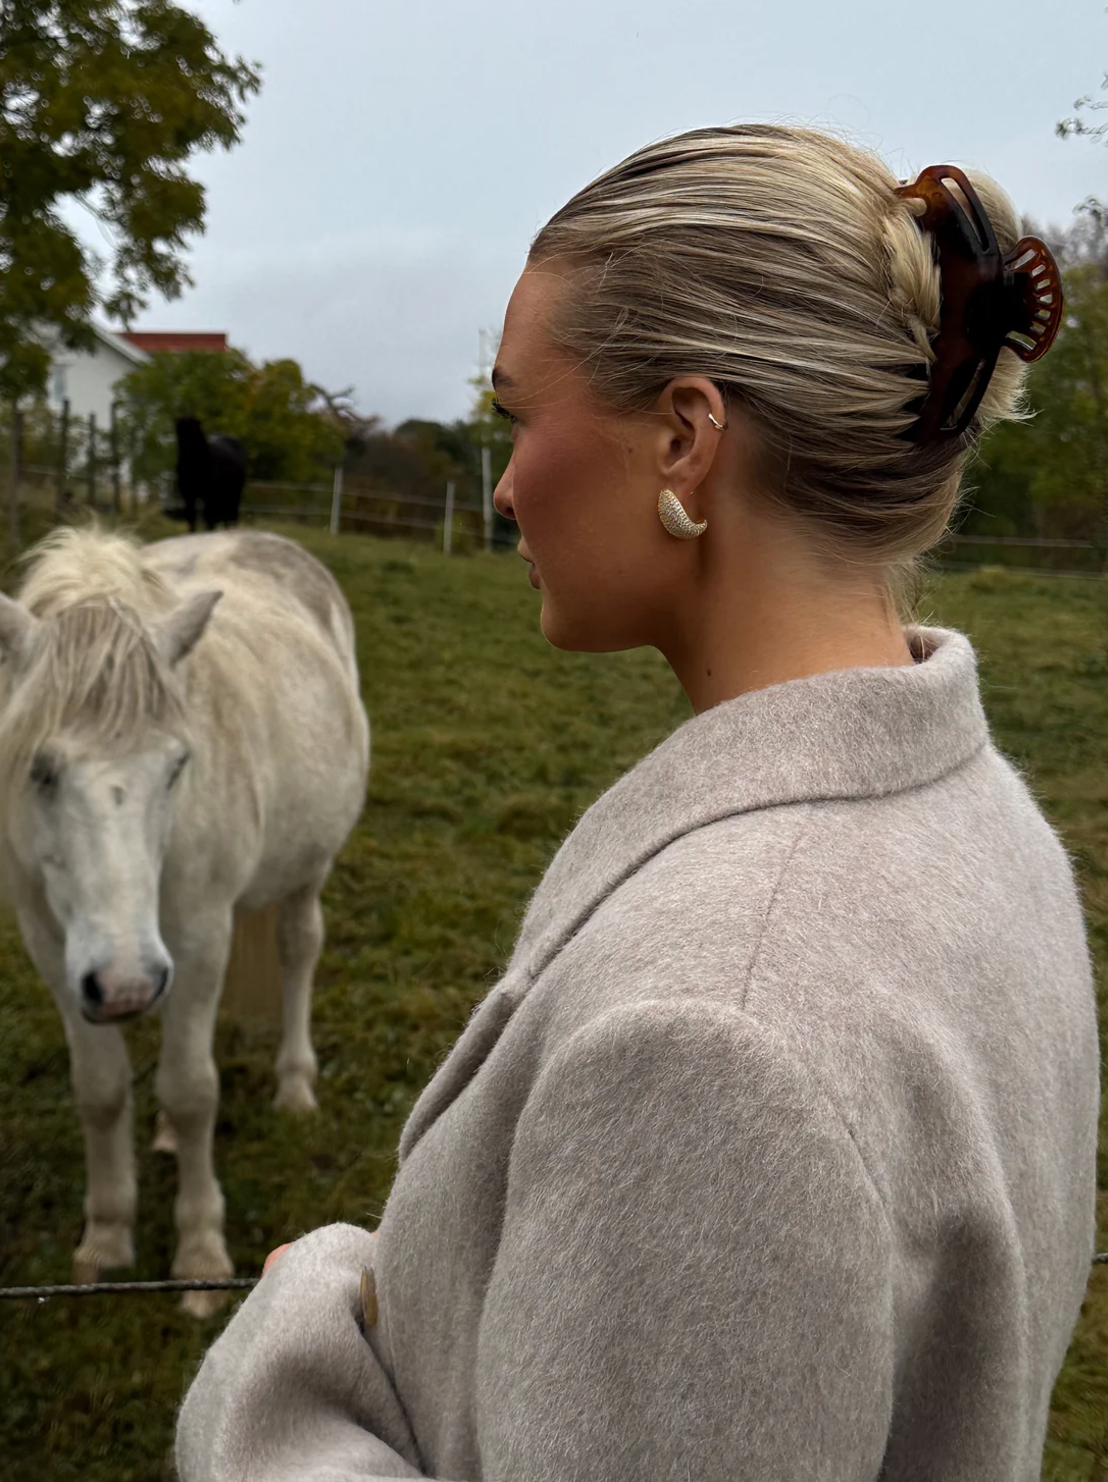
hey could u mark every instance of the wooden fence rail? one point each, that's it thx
(353, 506)
(363, 509)
(350, 503)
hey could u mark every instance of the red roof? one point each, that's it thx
(153, 340)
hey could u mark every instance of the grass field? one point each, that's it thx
(487, 745)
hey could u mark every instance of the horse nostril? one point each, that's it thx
(160, 979)
(91, 990)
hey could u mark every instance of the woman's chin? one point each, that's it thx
(578, 634)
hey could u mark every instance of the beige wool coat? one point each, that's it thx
(770, 1159)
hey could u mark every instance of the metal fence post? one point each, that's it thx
(486, 493)
(336, 500)
(113, 446)
(91, 469)
(448, 519)
(13, 492)
(63, 456)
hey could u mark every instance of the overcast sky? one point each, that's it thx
(400, 156)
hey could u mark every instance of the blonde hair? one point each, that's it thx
(779, 263)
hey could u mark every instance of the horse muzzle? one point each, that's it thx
(110, 999)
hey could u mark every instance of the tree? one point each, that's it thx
(1069, 436)
(101, 102)
(283, 420)
(286, 430)
(1080, 122)
(1049, 476)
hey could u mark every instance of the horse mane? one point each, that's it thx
(81, 565)
(95, 670)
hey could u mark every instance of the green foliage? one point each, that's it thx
(420, 456)
(1049, 476)
(1070, 432)
(1080, 122)
(487, 746)
(272, 408)
(452, 450)
(101, 102)
(442, 450)
(487, 426)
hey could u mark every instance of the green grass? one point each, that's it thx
(487, 745)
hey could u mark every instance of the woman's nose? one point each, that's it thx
(502, 495)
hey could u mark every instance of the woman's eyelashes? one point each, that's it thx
(502, 411)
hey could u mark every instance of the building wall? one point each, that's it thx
(88, 379)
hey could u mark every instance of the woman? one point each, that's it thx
(772, 1154)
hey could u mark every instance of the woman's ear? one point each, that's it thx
(693, 422)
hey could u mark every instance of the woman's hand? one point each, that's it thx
(275, 1255)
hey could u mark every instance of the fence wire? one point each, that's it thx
(222, 1284)
(130, 1288)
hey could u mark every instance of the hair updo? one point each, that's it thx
(780, 263)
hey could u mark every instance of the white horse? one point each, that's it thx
(164, 761)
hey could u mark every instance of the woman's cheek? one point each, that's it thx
(556, 472)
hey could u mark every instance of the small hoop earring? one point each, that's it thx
(674, 517)
(719, 426)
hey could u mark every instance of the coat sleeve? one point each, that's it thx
(693, 1280)
(692, 1283)
(292, 1391)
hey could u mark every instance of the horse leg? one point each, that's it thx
(101, 1073)
(187, 1086)
(165, 1139)
(299, 942)
(101, 1076)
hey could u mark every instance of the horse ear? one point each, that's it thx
(179, 633)
(18, 629)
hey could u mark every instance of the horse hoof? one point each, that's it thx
(202, 1256)
(165, 1135)
(295, 1094)
(204, 1304)
(102, 1248)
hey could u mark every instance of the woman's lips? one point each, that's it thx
(532, 574)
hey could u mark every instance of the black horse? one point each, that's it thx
(211, 472)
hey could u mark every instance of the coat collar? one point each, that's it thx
(853, 733)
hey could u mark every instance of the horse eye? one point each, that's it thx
(44, 772)
(178, 768)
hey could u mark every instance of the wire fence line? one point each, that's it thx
(364, 506)
(74, 466)
(358, 505)
(217, 1284)
(1092, 555)
(130, 1288)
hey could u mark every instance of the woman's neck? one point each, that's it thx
(772, 618)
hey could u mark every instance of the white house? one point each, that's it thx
(88, 378)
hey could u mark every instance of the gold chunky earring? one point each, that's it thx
(674, 517)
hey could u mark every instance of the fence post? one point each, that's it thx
(336, 501)
(13, 492)
(486, 493)
(448, 519)
(113, 448)
(91, 470)
(63, 457)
